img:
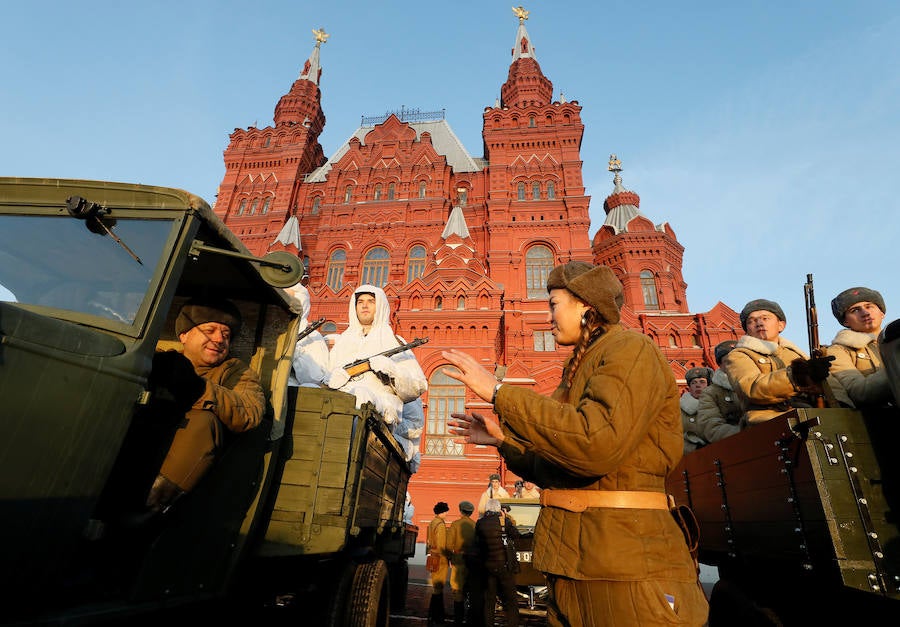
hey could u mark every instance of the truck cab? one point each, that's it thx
(92, 276)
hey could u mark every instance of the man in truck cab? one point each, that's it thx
(219, 393)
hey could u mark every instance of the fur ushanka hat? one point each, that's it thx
(596, 286)
(846, 299)
(198, 311)
(761, 304)
(699, 372)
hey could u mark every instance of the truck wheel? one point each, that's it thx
(338, 610)
(370, 602)
(399, 584)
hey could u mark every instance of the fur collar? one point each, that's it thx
(854, 339)
(764, 347)
(721, 379)
(689, 404)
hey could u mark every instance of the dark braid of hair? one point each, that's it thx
(594, 326)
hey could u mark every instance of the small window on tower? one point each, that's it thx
(520, 191)
(316, 202)
(391, 189)
(551, 191)
(378, 192)
(535, 191)
(268, 141)
(242, 207)
(253, 206)
(265, 207)
(421, 189)
(348, 194)
(531, 122)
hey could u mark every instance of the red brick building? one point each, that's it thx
(461, 244)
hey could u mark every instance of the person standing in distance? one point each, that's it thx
(601, 447)
(436, 544)
(460, 542)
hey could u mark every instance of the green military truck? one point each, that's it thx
(92, 275)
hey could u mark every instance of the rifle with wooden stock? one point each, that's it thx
(822, 394)
(362, 365)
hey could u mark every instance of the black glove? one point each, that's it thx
(810, 372)
(819, 367)
(174, 373)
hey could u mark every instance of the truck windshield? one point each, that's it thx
(55, 261)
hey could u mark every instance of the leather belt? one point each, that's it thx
(580, 500)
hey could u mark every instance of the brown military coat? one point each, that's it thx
(436, 543)
(760, 374)
(618, 428)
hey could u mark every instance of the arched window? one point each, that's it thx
(328, 327)
(253, 206)
(242, 207)
(265, 207)
(531, 122)
(551, 191)
(438, 303)
(348, 194)
(538, 264)
(445, 396)
(267, 142)
(334, 278)
(378, 192)
(317, 201)
(375, 267)
(520, 191)
(461, 303)
(391, 189)
(415, 264)
(535, 191)
(648, 289)
(422, 189)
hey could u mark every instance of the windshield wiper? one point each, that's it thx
(93, 214)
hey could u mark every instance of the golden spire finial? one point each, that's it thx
(320, 35)
(614, 164)
(520, 13)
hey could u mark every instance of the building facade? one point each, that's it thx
(461, 244)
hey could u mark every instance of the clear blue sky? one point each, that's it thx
(766, 134)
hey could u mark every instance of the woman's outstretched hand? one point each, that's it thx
(476, 429)
(467, 369)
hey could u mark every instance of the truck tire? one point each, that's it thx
(370, 599)
(338, 610)
(399, 584)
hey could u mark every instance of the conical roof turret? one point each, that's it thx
(622, 205)
(526, 84)
(302, 104)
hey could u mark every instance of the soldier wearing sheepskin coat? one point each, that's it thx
(769, 373)
(697, 380)
(858, 378)
(718, 410)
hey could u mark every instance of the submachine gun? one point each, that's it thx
(312, 326)
(823, 396)
(362, 365)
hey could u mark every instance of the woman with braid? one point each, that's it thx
(601, 447)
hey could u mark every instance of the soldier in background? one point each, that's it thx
(495, 535)
(461, 543)
(697, 380)
(719, 412)
(769, 373)
(493, 491)
(858, 378)
(436, 544)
